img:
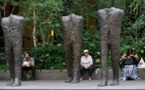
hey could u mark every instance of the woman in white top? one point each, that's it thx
(86, 64)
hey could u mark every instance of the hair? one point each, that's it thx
(130, 49)
(27, 52)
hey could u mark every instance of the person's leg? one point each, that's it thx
(22, 74)
(82, 72)
(123, 76)
(90, 71)
(24, 69)
(134, 74)
(33, 72)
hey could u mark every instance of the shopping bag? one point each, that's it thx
(141, 63)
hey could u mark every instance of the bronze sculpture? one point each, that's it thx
(12, 27)
(110, 28)
(72, 30)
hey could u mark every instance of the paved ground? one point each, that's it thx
(83, 85)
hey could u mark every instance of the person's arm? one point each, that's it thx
(91, 61)
(32, 63)
(123, 57)
(136, 57)
(82, 62)
(23, 62)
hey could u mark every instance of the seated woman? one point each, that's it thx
(86, 64)
(130, 70)
(28, 64)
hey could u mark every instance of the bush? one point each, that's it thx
(49, 57)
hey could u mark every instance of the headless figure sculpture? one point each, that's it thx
(12, 27)
(72, 29)
(110, 27)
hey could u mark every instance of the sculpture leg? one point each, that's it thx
(104, 57)
(69, 62)
(77, 52)
(115, 55)
(115, 62)
(17, 57)
(10, 58)
(11, 63)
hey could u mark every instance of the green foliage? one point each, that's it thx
(49, 56)
(92, 43)
(50, 18)
(47, 17)
(4, 67)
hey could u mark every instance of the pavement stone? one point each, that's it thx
(83, 85)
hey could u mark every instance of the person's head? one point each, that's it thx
(130, 51)
(86, 52)
(27, 54)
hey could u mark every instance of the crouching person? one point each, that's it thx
(28, 64)
(129, 72)
(86, 64)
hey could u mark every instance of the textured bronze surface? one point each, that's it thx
(72, 30)
(12, 27)
(110, 27)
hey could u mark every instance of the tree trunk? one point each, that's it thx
(13, 9)
(5, 9)
(43, 37)
(34, 28)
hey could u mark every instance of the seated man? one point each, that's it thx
(86, 64)
(28, 64)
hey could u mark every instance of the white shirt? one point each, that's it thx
(86, 61)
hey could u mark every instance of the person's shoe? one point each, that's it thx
(90, 78)
(81, 78)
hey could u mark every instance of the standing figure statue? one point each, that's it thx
(12, 27)
(72, 30)
(110, 26)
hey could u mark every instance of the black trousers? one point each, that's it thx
(24, 68)
(90, 71)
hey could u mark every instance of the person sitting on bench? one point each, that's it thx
(86, 64)
(28, 64)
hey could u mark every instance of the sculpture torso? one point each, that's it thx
(72, 24)
(110, 15)
(108, 18)
(11, 26)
